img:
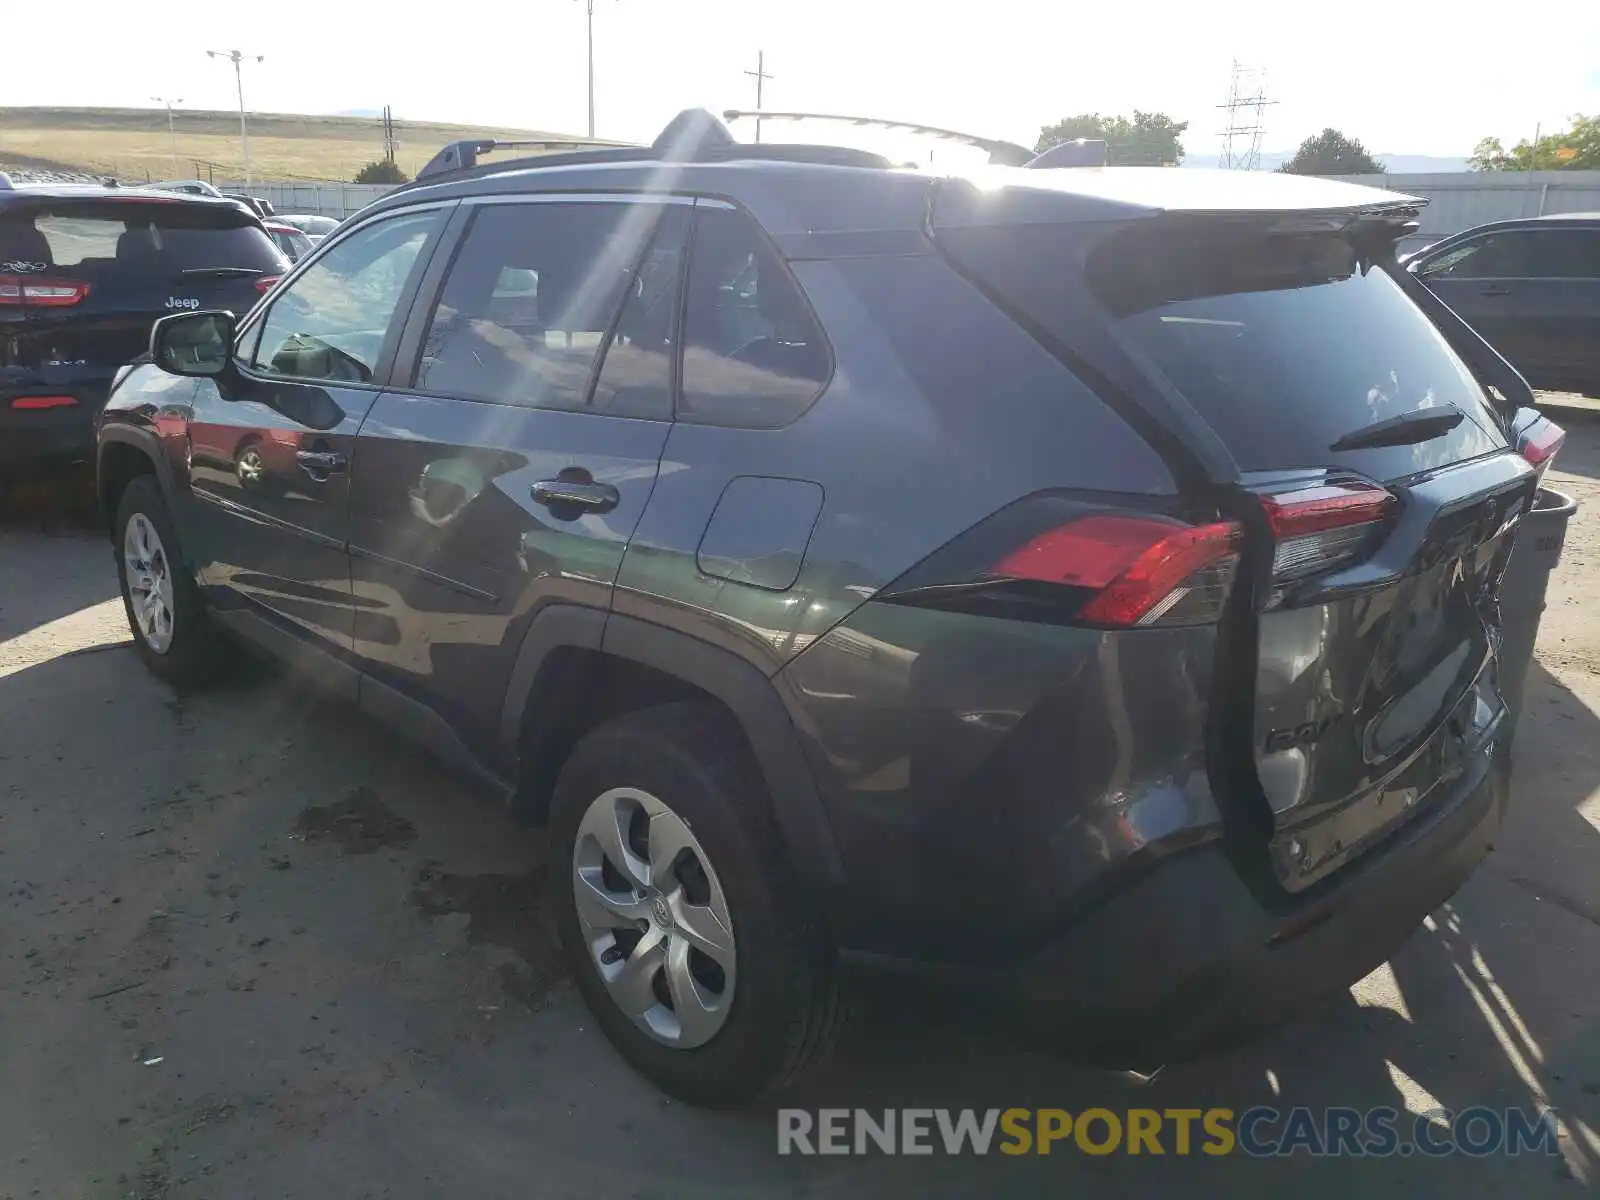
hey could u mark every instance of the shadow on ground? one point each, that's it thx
(254, 946)
(336, 959)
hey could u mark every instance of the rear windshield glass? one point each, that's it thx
(95, 242)
(1284, 343)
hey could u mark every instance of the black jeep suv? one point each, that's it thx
(84, 273)
(1075, 586)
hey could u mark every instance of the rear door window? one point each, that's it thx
(1521, 254)
(533, 295)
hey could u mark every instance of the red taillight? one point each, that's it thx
(1540, 443)
(264, 284)
(1323, 525)
(41, 293)
(1145, 571)
(44, 402)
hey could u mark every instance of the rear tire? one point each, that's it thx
(684, 769)
(172, 632)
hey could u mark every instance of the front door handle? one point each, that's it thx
(319, 464)
(1494, 289)
(569, 498)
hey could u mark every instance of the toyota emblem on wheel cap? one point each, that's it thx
(662, 913)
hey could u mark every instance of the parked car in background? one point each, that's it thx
(192, 187)
(1126, 663)
(313, 226)
(257, 204)
(294, 243)
(1532, 288)
(84, 273)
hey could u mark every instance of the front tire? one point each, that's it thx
(172, 632)
(678, 913)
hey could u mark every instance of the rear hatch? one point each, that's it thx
(83, 279)
(1310, 400)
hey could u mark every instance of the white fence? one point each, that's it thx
(336, 200)
(1456, 201)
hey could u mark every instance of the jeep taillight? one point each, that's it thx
(1090, 566)
(1322, 525)
(41, 293)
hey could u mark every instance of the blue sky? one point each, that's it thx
(1423, 79)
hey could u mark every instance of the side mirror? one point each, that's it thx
(196, 343)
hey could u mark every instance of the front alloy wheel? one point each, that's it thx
(149, 575)
(654, 918)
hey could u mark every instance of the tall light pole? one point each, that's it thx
(172, 129)
(238, 57)
(589, 13)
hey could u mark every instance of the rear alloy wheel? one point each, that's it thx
(654, 917)
(679, 914)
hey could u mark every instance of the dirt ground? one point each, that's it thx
(250, 946)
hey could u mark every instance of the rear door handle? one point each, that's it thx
(1494, 289)
(570, 498)
(319, 464)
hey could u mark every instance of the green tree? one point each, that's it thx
(1331, 153)
(381, 171)
(1575, 149)
(1148, 140)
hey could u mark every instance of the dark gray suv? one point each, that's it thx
(1532, 288)
(1071, 589)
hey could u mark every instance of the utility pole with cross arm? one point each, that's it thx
(760, 76)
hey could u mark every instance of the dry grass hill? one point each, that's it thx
(133, 144)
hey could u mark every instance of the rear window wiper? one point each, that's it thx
(1408, 429)
(221, 273)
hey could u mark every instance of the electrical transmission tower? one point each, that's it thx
(1246, 110)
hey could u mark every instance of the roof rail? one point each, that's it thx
(694, 135)
(1001, 153)
(463, 155)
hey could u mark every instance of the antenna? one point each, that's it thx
(1246, 110)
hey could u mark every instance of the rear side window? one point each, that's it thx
(126, 240)
(1521, 254)
(530, 299)
(1283, 343)
(753, 354)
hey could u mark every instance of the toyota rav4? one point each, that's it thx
(1072, 588)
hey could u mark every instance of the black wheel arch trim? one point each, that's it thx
(147, 444)
(747, 693)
